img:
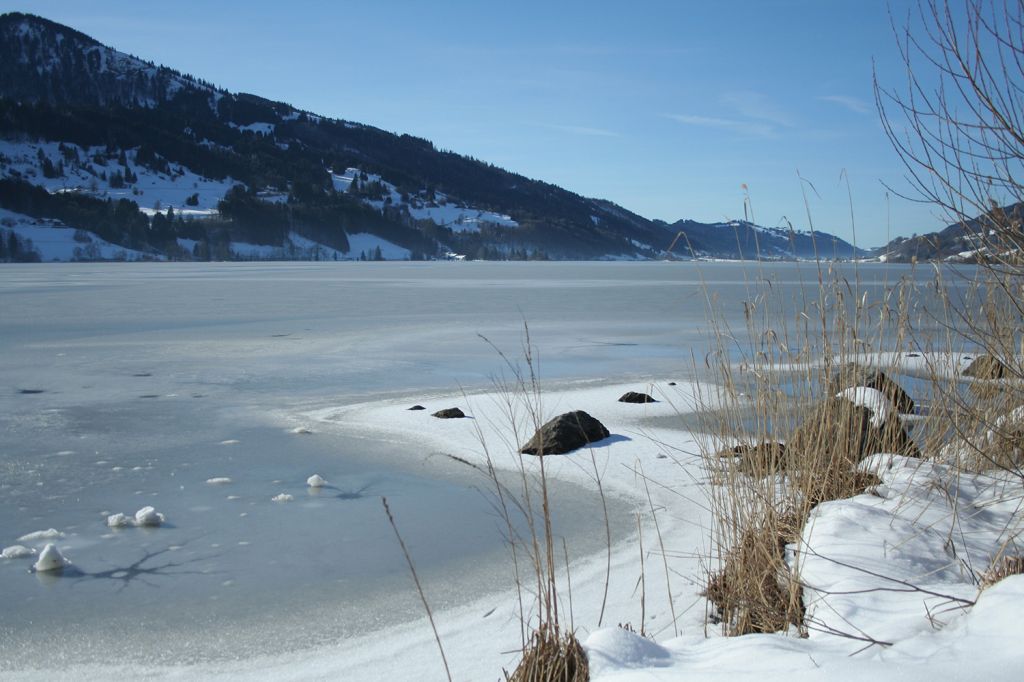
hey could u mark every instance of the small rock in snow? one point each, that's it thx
(219, 480)
(283, 497)
(50, 559)
(147, 516)
(17, 552)
(316, 481)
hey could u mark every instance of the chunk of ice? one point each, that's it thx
(119, 520)
(147, 516)
(35, 536)
(17, 552)
(50, 559)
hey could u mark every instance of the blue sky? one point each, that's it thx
(667, 108)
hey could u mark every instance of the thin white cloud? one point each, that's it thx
(757, 106)
(854, 104)
(582, 130)
(750, 128)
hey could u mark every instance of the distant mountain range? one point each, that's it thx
(971, 241)
(104, 155)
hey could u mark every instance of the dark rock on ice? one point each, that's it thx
(853, 375)
(450, 413)
(634, 397)
(986, 367)
(565, 433)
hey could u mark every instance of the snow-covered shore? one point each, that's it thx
(875, 565)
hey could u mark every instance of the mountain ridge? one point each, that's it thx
(116, 118)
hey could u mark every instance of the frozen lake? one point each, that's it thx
(125, 385)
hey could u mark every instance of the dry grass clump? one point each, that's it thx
(796, 444)
(552, 655)
(755, 591)
(1003, 568)
(823, 452)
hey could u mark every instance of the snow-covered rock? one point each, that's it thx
(50, 559)
(148, 516)
(120, 520)
(282, 497)
(873, 399)
(316, 481)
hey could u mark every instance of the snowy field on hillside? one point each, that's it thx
(56, 242)
(458, 218)
(153, 191)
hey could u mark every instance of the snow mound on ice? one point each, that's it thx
(316, 481)
(50, 559)
(219, 480)
(282, 497)
(147, 516)
(119, 520)
(35, 536)
(17, 552)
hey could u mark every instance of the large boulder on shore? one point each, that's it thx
(565, 433)
(634, 397)
(852, 375)
(449, 413)
(840, 433)
(986, 367)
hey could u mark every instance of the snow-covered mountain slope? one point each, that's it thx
(50, 240)
(430, 205)
(72, 67)
(63, 92)
(100, 172)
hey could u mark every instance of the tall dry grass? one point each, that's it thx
(777, 442)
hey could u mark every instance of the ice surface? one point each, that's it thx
(240, 353)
